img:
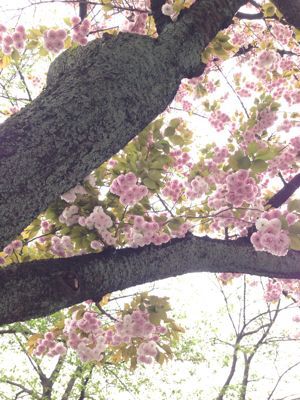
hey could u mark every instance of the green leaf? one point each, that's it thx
(244, 163)
(43, 52)
(294, 205)
(259, 166)
(295, 228)
(220, 52)
(169, 131)
(157, 124)
(158, 164)
(295, 242)
(154, 174)
(15, 55)
(150, 183)
(266, 154)
(175, 223)
(137, 210)
(227, 46)
(177, 140)
(297, 34)
(107, 7)
(233, 160)
(32, 44)
(67, 21)
(221, 37)
(268, 9)
(164, 145)
(252, 148)
(5, 61)
(205, 56)
(175, 122)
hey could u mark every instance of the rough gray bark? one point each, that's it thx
(39, 288)
(290, 10)
(97, 98)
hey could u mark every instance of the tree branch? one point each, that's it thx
(24, 389)
(161, 20)
(42, 287)
(242, 15)
(71, 382)
(85, 383)
(290, 10)
(285, 193)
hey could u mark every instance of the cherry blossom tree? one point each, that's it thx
(72, 230)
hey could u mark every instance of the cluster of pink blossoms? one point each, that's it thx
(49, 346)
(101, 222)
(97, 219)
(46, 226)
(265, 119)
(173, 189)
(285, 162)
(240, 188)
(86, 336)
(167, 9)
(147, 351)
(220, 154)
(62, 247)
(137, 325)
(70, 195)
(137, 24)
(180, 159)
(196, 188)
(270, 236)
(14, 245)
(81, 30)
(54, 40)
(126, 187)
(15, 40)
(182, 230)
(273, 290)
(224, 219)
(292, 96)
(217, 200)
(218, 119)
(226, 277)
(69, 216)
(283, 33)
(144, 232)
(266, 59)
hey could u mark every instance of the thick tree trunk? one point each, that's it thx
(290, 10)
(97, 98)
(39, 288)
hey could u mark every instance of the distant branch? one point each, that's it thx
(285, 193)
(242, 15)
